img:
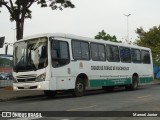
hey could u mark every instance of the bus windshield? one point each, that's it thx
(30, 55)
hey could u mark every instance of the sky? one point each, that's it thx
(87, 19)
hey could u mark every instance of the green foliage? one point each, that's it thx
(150, 39)
(4, 62)
(102, 35)
(20, 10)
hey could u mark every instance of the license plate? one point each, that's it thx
(26, 86)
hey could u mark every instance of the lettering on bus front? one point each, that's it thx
(109, 68)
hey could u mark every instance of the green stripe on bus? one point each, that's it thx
(109, 82)
(145, 79)
(120, 81)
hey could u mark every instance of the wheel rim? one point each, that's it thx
(80, 87)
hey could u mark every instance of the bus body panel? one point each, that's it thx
(99, 73)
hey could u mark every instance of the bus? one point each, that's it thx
(6, 61)
(58, 62)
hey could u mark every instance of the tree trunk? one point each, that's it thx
(19, 29)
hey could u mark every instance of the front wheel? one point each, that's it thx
(79, 88)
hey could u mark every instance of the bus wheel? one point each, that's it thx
(108, 88)
(134, 84)
(79, 88)
(50, 93)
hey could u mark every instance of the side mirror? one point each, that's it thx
(2, 42)
(6, 49)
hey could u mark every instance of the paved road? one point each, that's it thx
(144, 99)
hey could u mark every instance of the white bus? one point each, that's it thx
(55, 62)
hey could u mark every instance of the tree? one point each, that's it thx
(102, 35)
(150, 39)
(20, 10)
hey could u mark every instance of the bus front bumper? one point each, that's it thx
(31, 86)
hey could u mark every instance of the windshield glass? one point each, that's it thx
(30, 55)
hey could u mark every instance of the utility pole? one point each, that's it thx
(127, 40)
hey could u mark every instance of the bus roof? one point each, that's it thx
(75, 37)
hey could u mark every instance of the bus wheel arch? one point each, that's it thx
(80, 85)
(134, 84)
(84, 77)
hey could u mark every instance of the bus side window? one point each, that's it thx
(94, 51)
(108, 52)
(98, 52)
(85, 50)
(136, 55)
(60, 53)
(145, 57)
(80, 50)
(125, 54)
(112, 53)
(101, 52)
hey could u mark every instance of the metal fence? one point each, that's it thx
(156, 72)
(4, 83)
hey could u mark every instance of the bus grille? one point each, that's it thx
(26, 78)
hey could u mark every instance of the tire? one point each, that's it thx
(108, 88)
(128, 87)
(79, 88)
(134, 85)
(50, 93)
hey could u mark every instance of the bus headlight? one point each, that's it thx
(41, 77)
(14, 80)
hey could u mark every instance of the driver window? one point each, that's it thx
(60, 53)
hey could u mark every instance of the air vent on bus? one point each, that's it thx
(26, 78)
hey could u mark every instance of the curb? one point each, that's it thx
(6, 95)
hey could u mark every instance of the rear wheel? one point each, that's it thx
(50, 93)
(134, 84)
(79, 88)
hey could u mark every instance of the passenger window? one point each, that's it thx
(76, 50)
(85, 50)
(136, 55)
(59, 53)
(80, 50)
(94, 51)
(98, 52)
(101, 50)
(145, 57)
(112, 53)
(125, 54)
